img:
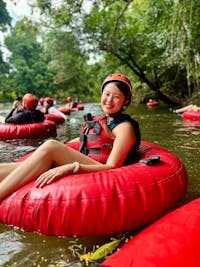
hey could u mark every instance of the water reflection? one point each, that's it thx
(158, 125)
(7, 249)
(12, 151)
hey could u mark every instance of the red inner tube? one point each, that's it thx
(192, 115)
(56, 118)
(172, 241)
(103, 202)
(33, 130)
(154, 103)
(66, 111)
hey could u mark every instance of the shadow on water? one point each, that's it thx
(158, 125)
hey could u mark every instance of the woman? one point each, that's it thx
(48, 108)
(53, 160)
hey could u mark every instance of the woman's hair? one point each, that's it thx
(123, 87)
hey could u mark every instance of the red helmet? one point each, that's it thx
(41, 100)
(69, 99)
(49, 100)
(30, 101)
(119, 77)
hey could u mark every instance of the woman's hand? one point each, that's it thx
(53, 174)
(2, 119)
(16, 103)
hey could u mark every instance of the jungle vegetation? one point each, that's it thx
(75, 44)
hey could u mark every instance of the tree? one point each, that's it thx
(156, 41)
(29, 71)
(5, 21)
(66, 53)
(139, 36)
(68, 62)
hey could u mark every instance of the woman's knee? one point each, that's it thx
(50, 145)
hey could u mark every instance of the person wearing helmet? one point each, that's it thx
(16, 107)
(47, 104)
(70, 103)
(53, 159)
(40, 102)
(49, 108)
(27, 113)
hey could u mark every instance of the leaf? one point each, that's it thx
(104, 250)
(101, 252)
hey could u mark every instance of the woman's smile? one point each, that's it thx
(112, 99)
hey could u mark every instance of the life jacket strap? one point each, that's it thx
(90, 137)
(88, 151)
(85, 136)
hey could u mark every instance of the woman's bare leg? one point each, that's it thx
(189, 107)
(7, 168)
(50, 154)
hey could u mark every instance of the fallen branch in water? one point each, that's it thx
(190, 147)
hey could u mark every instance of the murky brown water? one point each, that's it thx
(158, 125)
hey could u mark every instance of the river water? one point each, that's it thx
(158, 125)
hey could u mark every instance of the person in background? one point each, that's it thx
(69, 104)
(117, 140)
(186, 108)
(40, 103)
(49, 108)
(26, 113)
(78, 101)
(17, 105)
(75, 104)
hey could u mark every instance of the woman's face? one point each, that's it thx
(112, 99)
(45, 103)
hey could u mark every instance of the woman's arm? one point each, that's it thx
(55, 111)
(9, 114)
(19, 118)
(124, 140)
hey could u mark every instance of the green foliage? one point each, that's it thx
(44, 5)
(4, 16)
(156, 43)
(4, 67)
(29, 67)
(157, 40)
